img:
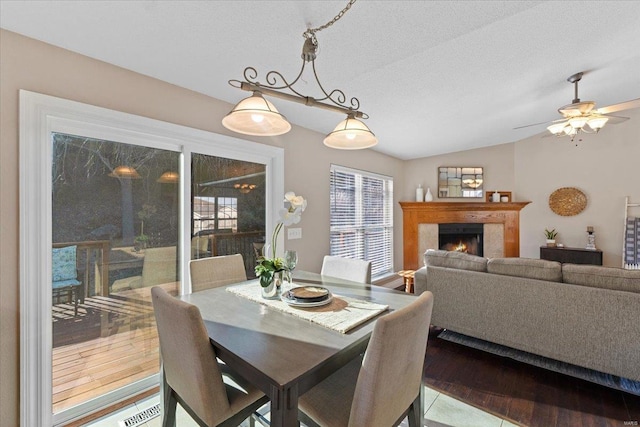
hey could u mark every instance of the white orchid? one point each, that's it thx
(288, 216)
(296, 202)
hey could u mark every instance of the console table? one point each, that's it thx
(571, 255)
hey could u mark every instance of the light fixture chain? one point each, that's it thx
(311, 32)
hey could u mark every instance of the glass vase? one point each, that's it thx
(271, 291)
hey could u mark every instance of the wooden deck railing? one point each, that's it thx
(86, 261)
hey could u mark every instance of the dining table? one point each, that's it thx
(285, 355)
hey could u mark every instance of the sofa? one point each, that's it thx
(584, 315)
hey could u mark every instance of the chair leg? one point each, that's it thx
(170, 403)
(415, 412)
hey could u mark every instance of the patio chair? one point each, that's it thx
(216, 271)
(191, 374)
(384, 387)
(65, 281)
(355, 270)
(159, 266)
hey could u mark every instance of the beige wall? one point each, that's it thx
(35, 66)
(604, 166)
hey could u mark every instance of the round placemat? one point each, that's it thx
(567, 201)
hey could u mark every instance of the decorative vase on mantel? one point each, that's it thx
(428, 197)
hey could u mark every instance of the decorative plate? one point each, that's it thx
(567, 201)
(308, 293)
(294, 302)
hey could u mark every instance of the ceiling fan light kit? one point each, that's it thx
(257, 116)
(578, 116)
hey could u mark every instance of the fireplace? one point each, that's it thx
(461, 237)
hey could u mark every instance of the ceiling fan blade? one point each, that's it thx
(538, 124)
(627, 105)
(614, 120)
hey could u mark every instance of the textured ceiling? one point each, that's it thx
(434, 76)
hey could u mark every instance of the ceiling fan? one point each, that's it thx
(581, 116)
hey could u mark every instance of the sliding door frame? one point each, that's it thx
(40, 116)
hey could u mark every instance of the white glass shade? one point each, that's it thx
(256, 116)
(578, 122)
(125, 172)
(351, 134)
(597, 122)
(557, 128)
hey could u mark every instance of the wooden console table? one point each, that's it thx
(571, 255)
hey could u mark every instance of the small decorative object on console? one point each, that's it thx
(551, 237)
(591, 238)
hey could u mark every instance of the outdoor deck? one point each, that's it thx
(110, 343)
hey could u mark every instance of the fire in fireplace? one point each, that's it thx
(461, 238)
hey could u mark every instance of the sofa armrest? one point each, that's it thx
(420, 281)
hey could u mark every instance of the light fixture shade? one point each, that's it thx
(578, 122)
(125, 172)
(169, 177)
(597, 122)
(351, 134)
(557, 128)
(256, 116)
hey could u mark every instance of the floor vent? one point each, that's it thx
(141, 417)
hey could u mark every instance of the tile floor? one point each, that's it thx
(440, 411)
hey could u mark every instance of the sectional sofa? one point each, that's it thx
(584, 315)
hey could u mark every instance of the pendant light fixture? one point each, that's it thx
(351, 134)
(257, 116)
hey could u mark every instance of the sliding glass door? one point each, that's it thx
(228, 202)
(115, 233)
(111, 205)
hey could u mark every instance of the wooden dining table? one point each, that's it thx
(279, 353)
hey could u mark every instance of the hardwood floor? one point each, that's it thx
(524, 394)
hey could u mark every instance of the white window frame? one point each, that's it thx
(359, 210)
(40, 116)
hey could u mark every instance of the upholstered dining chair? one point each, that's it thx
(355, 270)
(385, 386)
(191, 374)
(216, 271)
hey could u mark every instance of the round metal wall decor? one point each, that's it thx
(567, 201)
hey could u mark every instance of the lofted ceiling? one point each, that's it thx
(434, 76)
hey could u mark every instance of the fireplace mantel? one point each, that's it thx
(415, 213)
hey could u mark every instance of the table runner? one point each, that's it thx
(341, 314)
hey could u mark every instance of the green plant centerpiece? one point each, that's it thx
(268, 267)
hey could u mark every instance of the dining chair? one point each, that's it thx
(385, 386)
(216, 271)
(190, 371)
(355, 270)
(65, 281)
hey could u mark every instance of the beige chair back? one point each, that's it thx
(391, 374)
(216, 271)
(355, 270)
(188, 359)
(199, 246)
(159, 266)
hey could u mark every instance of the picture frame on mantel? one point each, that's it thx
(507, 194)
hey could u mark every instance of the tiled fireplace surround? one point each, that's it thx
(501, 227)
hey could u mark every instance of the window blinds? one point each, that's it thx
(362, 217)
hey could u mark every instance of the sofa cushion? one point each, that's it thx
(602, 277)
(452, 259)
(526, 267)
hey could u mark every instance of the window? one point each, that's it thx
(361, 206)
(215, 213)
